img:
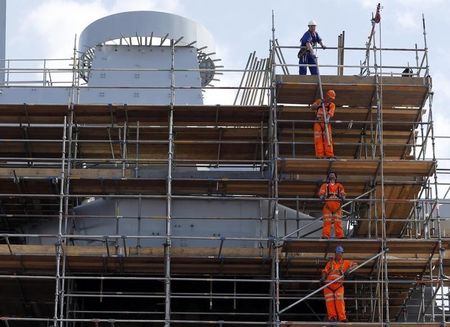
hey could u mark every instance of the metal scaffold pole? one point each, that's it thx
(383, 203)
(331, 282)
(168, 241)
(380, 140)
(58, 245)
(441, 271)
(64, 199)
(70, 147)
(274, 186)
(322, 105)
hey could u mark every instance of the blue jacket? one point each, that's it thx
(312, 38)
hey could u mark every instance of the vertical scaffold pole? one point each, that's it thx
(379, 96)
(60, 223)
(441, 272)
(63, 198)
(168, 242)
(274, 187)
(74, 97)
(383, 204)
(427, 68)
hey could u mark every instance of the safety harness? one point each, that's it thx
(319, 111)
(335, 273)
(329, 194)
(303, 49)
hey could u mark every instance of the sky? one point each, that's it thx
(47, 28)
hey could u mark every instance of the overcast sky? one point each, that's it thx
(46, 29)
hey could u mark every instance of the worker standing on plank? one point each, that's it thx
(333, 194)
(323, 143)
(334, 293)
(306, 54)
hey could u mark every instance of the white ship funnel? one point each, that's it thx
(127, 57)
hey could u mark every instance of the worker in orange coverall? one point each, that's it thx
(334, 293)
(333, 194)
(323, 144)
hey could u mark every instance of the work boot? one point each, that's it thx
(344, 320)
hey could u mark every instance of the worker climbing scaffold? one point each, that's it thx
(325, 109)
(334, 293)
(333, 194)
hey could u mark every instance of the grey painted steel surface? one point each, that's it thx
(444, 212)
(2, 40)
(143, 23)
(192, 218)
(141, 75)
(35, 95)
(97, 95)
(414, 308)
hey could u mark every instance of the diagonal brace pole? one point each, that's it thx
(325, 114)
(318, 218)
(328, 284)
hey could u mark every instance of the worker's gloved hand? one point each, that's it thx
(322, 281)
(322, 197)
(323, 46)
(342, 198)
(346, 274)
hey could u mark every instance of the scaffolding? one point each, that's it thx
(56, 158)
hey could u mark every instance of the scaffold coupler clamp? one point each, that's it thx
(277, 242)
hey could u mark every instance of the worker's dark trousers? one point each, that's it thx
(310, 60)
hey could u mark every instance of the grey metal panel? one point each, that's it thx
(414, 305)
(97, 95)
(444, 212)
(143, 23)
(135, 96)
(141, 75)
(192, 218)
(34, 95)
(215, 219)
(2, 39)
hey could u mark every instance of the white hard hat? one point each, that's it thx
(312, 23)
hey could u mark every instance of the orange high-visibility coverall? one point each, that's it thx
(322, 147)
(334, 293)
(332, 212)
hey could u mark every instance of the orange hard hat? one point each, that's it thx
(331, 94)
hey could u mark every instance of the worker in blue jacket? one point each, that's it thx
(306, 54)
